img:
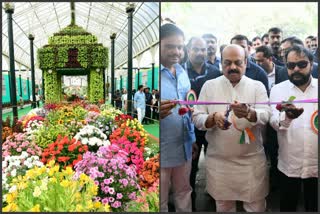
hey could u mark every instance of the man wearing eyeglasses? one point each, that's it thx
(199, 71)
(236, 166)
(296, 126)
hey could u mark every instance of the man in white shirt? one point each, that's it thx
(296, 127)
(236, 166)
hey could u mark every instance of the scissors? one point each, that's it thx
(226, 122)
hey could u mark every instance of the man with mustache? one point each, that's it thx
(177, 131)
(253, 70)
(275, 35)
(199, 72)
(298, 139)
(236, 166)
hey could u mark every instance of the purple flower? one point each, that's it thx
(132, 196)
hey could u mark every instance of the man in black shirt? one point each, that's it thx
(148, 95)
(199, 71)
(211, 41)
(275, 36)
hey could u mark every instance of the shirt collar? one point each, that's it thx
(273, 71)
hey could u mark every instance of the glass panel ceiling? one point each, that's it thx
(99, 18)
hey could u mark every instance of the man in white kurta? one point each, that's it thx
(236, 166)
(297, 135)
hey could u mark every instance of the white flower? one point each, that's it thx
(13, 188)
(14, 173)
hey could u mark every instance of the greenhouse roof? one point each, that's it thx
(43, 19)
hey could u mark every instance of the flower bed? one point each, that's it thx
(64, 148)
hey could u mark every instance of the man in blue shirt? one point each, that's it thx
(140, 103)
(177, 131)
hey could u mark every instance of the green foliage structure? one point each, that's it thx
(73, 51)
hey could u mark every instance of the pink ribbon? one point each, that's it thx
(183, 102)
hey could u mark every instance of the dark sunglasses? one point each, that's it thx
(300, 64)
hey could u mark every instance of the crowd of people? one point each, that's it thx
(145, 104)
(251, 147)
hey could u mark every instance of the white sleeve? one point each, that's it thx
(200, 114)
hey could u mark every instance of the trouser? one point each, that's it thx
(230, 206)
(271, 149)
(290, 190)
(148, 115)
(178, 177)
(200, 140)
(141, 113)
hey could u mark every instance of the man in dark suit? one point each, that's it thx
(276, 74)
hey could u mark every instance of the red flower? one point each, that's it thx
(279, 107)
(183, 110)
(63, 159)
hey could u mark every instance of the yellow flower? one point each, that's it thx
(78, 196)
(65, 183)
(22, 185)
(51, 163)
(97, 204)
(53, 180)
(69, 171)
(107, 208)
(11, 207)
(37, 192)
(78, 208)
(93, 189)
(10, 198)
(90, 205)
(53, 170)
(84, 177)
(36, 208)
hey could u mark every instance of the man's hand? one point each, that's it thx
(165, 108)
(292, 111)
(219, 119)
(240, 109)
(195, 151)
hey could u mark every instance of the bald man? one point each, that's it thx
(236, 166)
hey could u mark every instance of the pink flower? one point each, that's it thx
(111, 191)
(116, 204)
(105, 200)
(119, 195)
(111, 199)
(19, 149)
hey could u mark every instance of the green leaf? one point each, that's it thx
(292, 98)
